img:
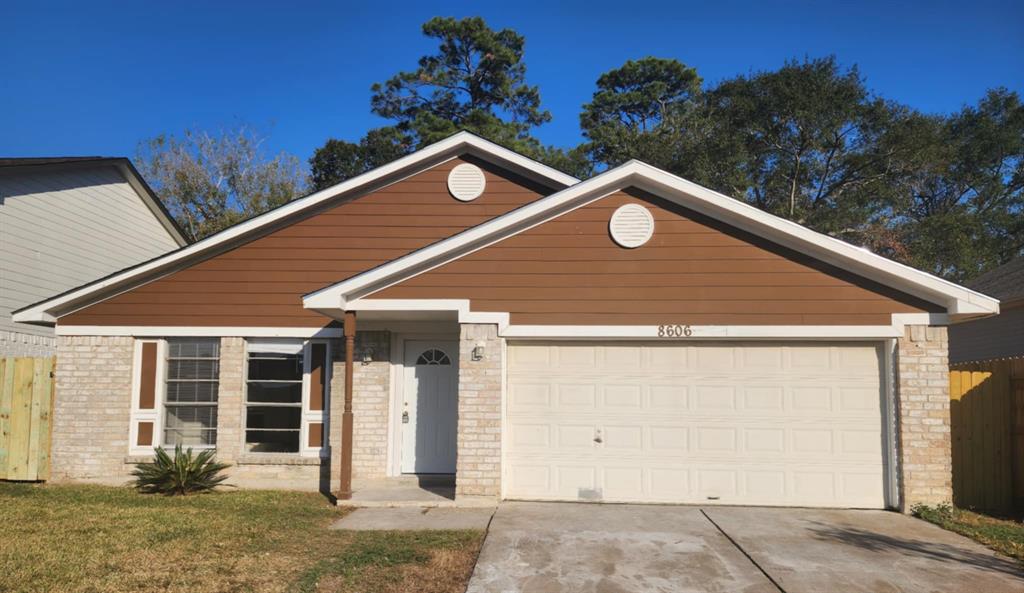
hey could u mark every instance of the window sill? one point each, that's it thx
(279, 459)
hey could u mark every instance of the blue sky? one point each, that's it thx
(97, 77)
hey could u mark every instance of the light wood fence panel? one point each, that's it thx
(987, 424)
(26, 407)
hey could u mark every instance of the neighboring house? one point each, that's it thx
(67, 221)
(631, 338)
(999, 337)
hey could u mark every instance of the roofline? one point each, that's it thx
(46, 312)
(958, 300)
(128, 171)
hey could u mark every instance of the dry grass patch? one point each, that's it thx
(113, 540)
(1005, 536)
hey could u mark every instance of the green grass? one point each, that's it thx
(104, 539)
(1005, 536)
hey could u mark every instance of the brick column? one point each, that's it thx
(478, 464)
(231, 384)
(926, 468)
(370, 404)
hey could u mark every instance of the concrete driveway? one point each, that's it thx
(589, 548)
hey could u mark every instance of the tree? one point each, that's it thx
(210, 182)
(476, 82)
(338, 160)
(642, 110)
(960, 204)
(813, 143)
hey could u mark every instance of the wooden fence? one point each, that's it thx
(26, 405)
(987, 421)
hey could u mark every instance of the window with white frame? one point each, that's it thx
(190, 397)
(278, 411)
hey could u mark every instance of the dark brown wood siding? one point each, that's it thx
(694, 270)
(261, 283)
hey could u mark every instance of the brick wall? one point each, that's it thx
(92, 408)
(923, 416)
(370, 402)
(478, 465)
(15, 344)
(230, 397)
(92, 412)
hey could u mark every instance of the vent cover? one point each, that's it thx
(466, 182)
(631, 225)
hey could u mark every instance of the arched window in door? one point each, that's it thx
(433, 357)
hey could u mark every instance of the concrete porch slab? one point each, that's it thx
(415, 519)
(412, 492)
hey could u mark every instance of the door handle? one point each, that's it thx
(597, 436)
(405, 417)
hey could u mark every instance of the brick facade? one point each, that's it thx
(922, 371)
(478, 461)
(92, 408)
(92, 414)
(16, 344)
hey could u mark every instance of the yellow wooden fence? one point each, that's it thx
(26, 406)
(987, 422)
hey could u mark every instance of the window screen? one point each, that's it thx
(190, 402)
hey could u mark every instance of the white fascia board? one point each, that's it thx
(459, 306)
(44, 312)
(161, 331)
(957, 299)
(702, 332)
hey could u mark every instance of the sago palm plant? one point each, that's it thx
(182, 474)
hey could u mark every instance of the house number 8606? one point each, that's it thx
(674, 331)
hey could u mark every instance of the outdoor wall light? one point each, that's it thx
(478, 352)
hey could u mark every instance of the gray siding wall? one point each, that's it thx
(1001, 336)
(61, 228)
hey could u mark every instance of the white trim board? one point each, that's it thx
(159, 331)
(702, 332)
(958, 300)
(46, 312)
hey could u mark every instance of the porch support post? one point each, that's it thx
(345, 487)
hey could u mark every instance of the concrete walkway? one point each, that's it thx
(555, 547)
(414, 519)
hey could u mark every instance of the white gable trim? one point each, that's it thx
(958, 300)
(46, 312)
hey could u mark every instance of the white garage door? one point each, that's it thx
(732, 423)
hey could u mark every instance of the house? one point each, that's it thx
(999, 337)
(466, 311)
(57, 233)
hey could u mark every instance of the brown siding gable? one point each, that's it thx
(694, 270)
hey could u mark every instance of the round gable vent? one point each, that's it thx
(631, 225)
(466, 182)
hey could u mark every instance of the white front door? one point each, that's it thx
(791, 424)
(430, 407)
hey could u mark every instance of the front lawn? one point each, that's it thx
(103, 539)
(1005, 536)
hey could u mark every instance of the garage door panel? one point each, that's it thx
(786, 424)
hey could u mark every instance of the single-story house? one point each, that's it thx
(56, 233)
(465, 310)
(998, 337)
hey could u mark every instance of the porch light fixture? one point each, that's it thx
(478, 352)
